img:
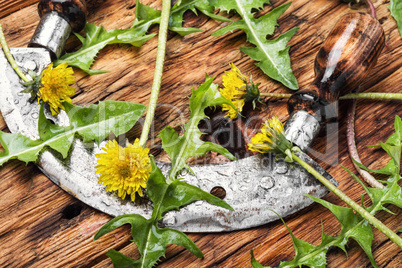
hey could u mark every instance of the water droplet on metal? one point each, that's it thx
(237, 172)
(106, 202)
(198, 203)
(35, 115)
(16, 101)
(169, 220)
(233, 187)
(243, 188)
(30, 65)
(281, 167)
(25, 110)
(289, 191)
(246, 179)
(20, 94)
(223, 174)
(86, 194)
(267, 183)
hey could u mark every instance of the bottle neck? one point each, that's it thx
(301, 129)
(51, 34)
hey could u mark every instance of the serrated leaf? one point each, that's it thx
(274, 59)
(145, 16)
(246, 5)
(180, 193)
(353, 225)
(176, 194)
(120, 260)
(392, 192)
(305, 253)
(180, 148)
(272, 55)
(393, 151)
(389, 169)
(17, 146)
(97, 38)
(396, 12)
(267, 22)
(359, 181)
(149, 238)
(176, 15)
(254, 262)
(177, 12)
(303, 249)
(184, 30)
(171, 194)
(93, 123)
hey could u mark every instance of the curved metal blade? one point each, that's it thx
(254, 186)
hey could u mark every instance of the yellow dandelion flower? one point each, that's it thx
(56, 87)
(271, 139)
(125, 170)
(234, 89)
(276, 125)
(237, 71)
(260, 143)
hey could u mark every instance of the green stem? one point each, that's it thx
(369, 95)
(373, 96)
(276, 95)
(9, 57)
(364, 213)
(160, 59)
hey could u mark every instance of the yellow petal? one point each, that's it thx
(125, 170)
(56, 87)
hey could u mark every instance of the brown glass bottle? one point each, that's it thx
(343, 61)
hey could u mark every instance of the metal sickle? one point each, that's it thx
(253, 185)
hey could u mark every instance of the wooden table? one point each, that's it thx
(43, 226)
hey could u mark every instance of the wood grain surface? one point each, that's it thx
(43, 226)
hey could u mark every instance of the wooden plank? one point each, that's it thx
(50, 228)
(9, 7)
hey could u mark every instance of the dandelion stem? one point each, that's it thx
(350, 137)
(373, 96)
(276, 95)
(160, 59)
(364, 213)
(369, 95)
(9, 57)
(372, 8)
